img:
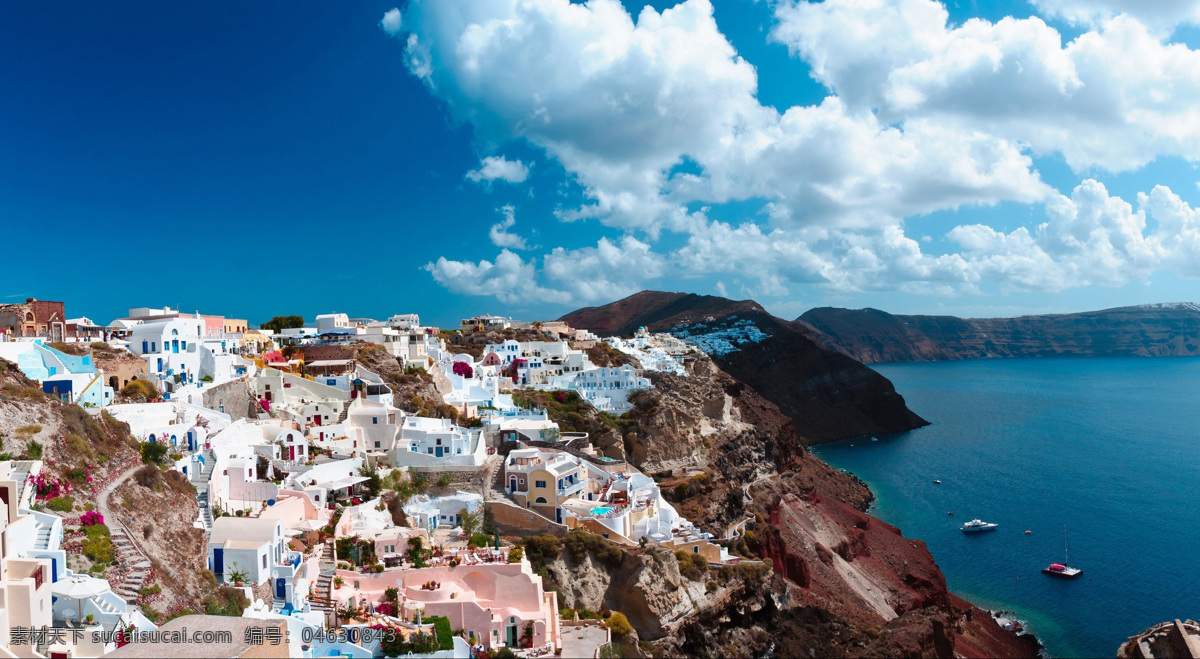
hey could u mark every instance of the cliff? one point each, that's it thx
(827, 395)
(818, 573)
(873, 336)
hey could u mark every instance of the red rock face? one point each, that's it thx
(865, 572)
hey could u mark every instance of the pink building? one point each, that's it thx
(495, 602)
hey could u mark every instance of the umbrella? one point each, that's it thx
(310, 525)
(79, 588)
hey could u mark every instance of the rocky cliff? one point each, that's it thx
(827, 395)
(819, 573)
(873, 336)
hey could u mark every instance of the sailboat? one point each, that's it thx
(1063, 569)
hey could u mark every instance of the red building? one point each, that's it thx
(34, 317)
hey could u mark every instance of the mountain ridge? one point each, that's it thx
(876, 336)
(827, 395)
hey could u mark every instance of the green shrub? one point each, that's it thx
(619, 625)
(61, 504)
(140, 388)
(541, 548)
(479, 540)
(515, 554)
(441, 628)
(33, 451)
(26, 432)
(97, 545)
(153, 452)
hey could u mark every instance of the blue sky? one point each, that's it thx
(266, 158)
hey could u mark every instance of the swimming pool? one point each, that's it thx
(601, 510)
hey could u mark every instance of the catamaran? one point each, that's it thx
(1063, 569)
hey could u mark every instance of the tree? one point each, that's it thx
(153, 452)
(619, 625)
(373, 484)
(469, 521)
(279, 323)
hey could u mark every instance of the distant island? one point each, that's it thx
(874, 336)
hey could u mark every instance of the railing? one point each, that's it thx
(571, 489)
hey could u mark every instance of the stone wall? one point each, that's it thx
(315, 353)
(233, 398)
(511, 519)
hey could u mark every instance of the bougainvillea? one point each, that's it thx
(464, 369)
(91, 518)
(48, 487)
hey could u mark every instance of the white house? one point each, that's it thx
(426, 442)
(251, 546)
(333, 322)
(441, 512)
(608, 389)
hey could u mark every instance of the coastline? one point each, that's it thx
(1009, 617)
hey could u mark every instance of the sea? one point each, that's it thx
(1098, 454)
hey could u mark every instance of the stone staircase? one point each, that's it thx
(322, 599)
(43, 537)
(104, 605)
(137, 566)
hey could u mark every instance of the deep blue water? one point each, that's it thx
(1109, 447)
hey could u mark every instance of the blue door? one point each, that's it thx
(145, 347)
(219, 561)
(281, 588)
(439, 452)
(175, 345)
(160, 364)
(191, 442)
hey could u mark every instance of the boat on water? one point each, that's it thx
(1063, 569)
(937, 482)
(976, 525)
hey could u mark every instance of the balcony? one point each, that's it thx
(571, 489)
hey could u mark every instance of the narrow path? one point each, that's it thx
(132, 564)
(735, 529)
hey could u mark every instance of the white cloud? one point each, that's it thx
(619, 103)
(923, 116)
(1162, 15)
(509, 279)
(608, 271)
(494, 168)
(1113, 98)
(499, 232)
(1089, 238)
(391, 21)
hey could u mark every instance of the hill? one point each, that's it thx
(827, 395)
(874, 336)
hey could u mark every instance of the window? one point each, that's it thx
(696, 549)
(540, 484)
(264, 561)
(375, 420)
(429, 450)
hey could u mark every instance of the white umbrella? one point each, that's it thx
(79, 588)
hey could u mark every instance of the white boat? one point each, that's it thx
(978, 525)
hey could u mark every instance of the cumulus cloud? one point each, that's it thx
(499, 232)
(658, 115)
(619, 103)
(509, 279)
(1162, 15)
(607, 271)
(1114, 98)
(391, 21)
(1089, 238)
(500, 168)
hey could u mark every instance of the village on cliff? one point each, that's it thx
(310, 482)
